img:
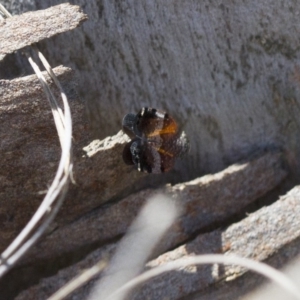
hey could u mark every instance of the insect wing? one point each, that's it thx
(151, 122)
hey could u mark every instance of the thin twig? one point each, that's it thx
(79, 281)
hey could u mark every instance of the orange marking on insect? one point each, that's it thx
(167, 130)
(162, 151)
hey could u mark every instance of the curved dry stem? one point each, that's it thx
(274, 275)
(55, 195)
(79, 281)
(4, 12)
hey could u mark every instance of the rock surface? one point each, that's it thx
(270, 234)
(230, 80)
(206, 202)
(31, 27)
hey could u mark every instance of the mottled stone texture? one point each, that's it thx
(21, 31)
(270, 234)
(205, 201)
(227, 71)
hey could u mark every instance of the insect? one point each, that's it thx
(156, 141)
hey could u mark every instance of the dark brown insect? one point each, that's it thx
(156, 141)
